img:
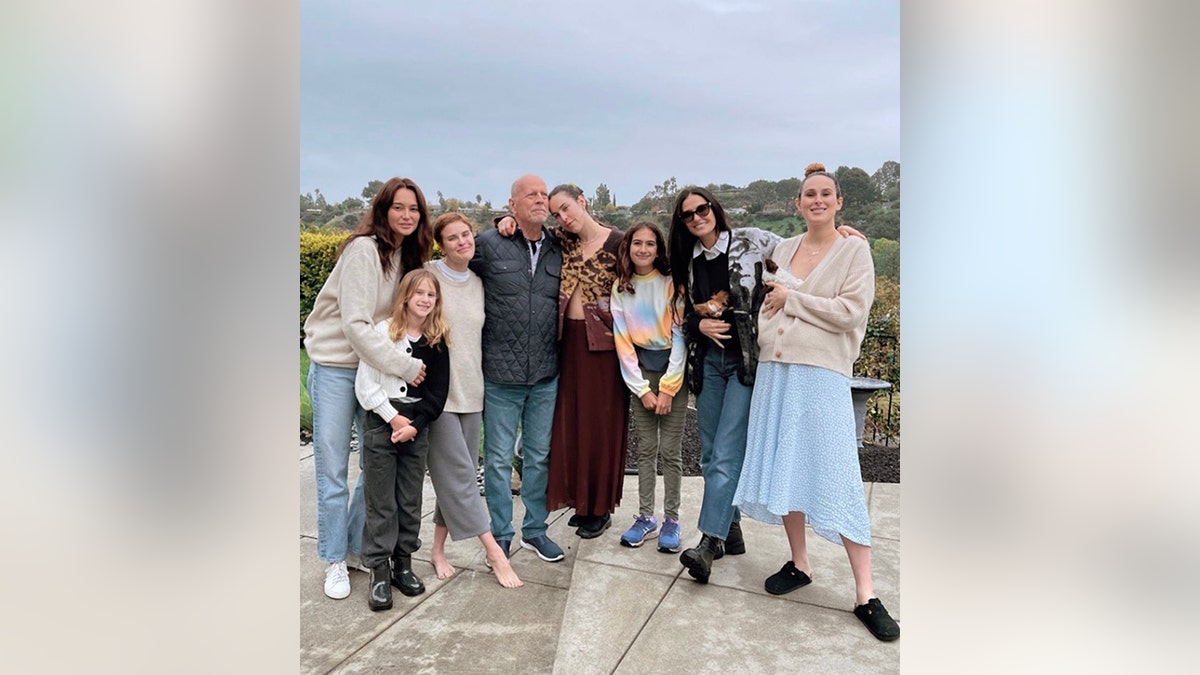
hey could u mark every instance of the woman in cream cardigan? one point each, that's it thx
(801, 459)
(392, 238)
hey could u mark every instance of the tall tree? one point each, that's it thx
(603, 198)
(859, 192)
(368, 193)
(887, 177)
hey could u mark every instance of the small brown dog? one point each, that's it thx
(714, 306)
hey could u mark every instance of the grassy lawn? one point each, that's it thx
(305, 402)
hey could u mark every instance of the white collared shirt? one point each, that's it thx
(721, 245)
(535, 249)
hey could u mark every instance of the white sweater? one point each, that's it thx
(462, 306)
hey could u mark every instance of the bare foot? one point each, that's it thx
(444, 569)
(504, 572)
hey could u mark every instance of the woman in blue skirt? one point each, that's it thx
(801, 459)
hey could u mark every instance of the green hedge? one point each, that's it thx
(317, 257)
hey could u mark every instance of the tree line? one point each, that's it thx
(871, 205)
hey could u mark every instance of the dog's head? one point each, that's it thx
(715, 306)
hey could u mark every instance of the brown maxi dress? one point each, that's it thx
(588, 441)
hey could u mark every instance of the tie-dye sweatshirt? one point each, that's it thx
(644, 319)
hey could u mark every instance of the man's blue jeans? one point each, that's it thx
(722, 415)
(504, 407)
(335, 408)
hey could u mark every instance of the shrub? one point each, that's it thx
(305, 402)
(318, 250)
(880, 358)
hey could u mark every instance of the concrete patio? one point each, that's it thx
(605, 608)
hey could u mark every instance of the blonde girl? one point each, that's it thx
(396, 442)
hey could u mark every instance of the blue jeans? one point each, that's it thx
(722, 415)
(504, 406)
(335, 408)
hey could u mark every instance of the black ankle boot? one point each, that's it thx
(698, 560)
(404, 579)
(734, 543)
(379, 597)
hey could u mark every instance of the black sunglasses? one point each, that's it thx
(701, 211)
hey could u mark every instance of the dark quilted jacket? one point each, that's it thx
(520, 327)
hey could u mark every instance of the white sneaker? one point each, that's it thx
(337, 580)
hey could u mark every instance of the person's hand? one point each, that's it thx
(404, 434)
(648, 401)
(398, 423)
(507, 226)
(664, 404)
(420, 376)
(775, 299)
(716, 330)
(847, 231)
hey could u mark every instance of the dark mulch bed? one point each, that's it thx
(880, 464)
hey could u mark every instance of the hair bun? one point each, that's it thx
(813, 168)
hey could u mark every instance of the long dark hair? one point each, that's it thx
(625, 264)
(683, 241)
(415, 250)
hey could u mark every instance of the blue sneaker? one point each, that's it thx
(544, 548)
(644, 527)
(668, 541)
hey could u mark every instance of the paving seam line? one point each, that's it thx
(422, 598)
(642, 628)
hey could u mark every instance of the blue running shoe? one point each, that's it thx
(544, 548)
(668, 540)
(644, 527)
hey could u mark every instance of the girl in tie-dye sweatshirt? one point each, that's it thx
(649, 339)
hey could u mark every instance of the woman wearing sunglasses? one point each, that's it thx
(717, 272)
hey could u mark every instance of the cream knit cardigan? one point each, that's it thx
(823, 323)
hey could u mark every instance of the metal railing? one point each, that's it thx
(880, 359)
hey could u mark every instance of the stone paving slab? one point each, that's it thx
(885, 511)
(606, 607)
(472, 625)
(606, 610)
(332, 630)
(709, 629)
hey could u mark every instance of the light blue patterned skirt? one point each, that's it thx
(801, 452)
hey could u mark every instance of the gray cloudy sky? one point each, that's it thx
(464, 97)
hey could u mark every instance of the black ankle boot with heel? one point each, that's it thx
(698, 560)
(379, 596)
(734, 543)
(404, 579)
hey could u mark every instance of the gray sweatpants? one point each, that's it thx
(453, 453)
